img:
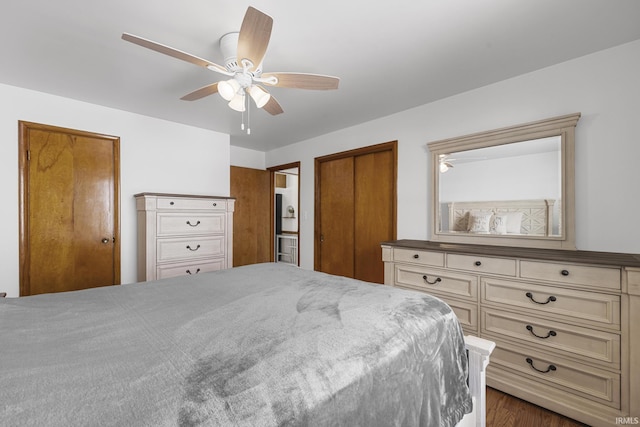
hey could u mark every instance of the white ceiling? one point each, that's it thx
(390, 56)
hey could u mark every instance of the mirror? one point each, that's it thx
(510, 187)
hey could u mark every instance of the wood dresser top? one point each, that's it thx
(192, 196)
(602, 258)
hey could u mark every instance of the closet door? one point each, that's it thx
(374, 199)
(336, 239)
(355, 211)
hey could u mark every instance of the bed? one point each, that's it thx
(261, 345)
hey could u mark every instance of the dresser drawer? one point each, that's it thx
(172, 270)
(435, 259)
(181, 203)
(481, 264)
(566, 374)
(571, 274)
(572, 305)
(190, 248)
(442, 282)
(572, 341)
(170, 223)
(467, 314)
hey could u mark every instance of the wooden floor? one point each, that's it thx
(504, 410)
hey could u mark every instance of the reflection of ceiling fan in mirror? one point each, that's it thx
(445, 162)
(243, 54)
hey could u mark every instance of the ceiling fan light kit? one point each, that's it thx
(237, 102)
(228, 89)
(250, 46)
(259, 95)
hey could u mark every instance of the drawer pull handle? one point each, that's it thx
(416, 256)
(478, 263)
(565, 272)
(197, 271)
(215, 204)
(550, 334)
(549, 368)
(193, 250)
(171, 203)
(426, 279)
(193, 225)
(550, 299)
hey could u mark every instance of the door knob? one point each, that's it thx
(105, 240)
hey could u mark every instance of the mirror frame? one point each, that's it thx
(563, 126)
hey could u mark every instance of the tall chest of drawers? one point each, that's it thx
(183, 234)
(566, 323)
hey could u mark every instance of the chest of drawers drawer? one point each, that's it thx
(575, 378)
(572, 305)
(175, 249)
(569, 274)
(171, 223)
(467, 314)
(435, 259)
(482, 264)
(438, 282)
(589, 345)
(183, 203)
(189, 268)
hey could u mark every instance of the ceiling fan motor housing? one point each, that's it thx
(229, 47)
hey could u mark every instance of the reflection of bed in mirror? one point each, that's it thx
(505, 217)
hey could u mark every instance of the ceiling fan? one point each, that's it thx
(243, 54)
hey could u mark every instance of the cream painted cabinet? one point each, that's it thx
(183, 234)
(563, 321)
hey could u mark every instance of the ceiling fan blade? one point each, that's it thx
(174, 53)
(254, 36)
(202, 92)
(273, 107)
(303, 81)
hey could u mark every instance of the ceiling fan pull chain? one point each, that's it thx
(248, 107)
(242, 124)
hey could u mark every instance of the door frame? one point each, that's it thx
(385, 146)
(273, 170)
(23, 200)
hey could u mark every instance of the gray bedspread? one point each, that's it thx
(261, 345)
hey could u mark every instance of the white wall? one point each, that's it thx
(155, 156)
(602, 86)
(247, 158)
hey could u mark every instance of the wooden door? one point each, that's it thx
(69, 228)
(336, 193)
(374, 201)
(252, 215)
(355, 211)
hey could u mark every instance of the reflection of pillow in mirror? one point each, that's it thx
(500, 223)
(514, 222)
(479, 222)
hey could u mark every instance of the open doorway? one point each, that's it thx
(286, 218)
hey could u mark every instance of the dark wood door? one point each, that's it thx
(355, 211)
(373, 212)
(336, 193)
(69, 231)
(252, 215)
